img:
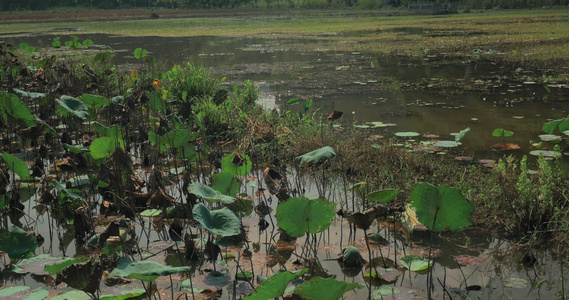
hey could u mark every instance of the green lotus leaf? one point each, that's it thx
(179, 137)
(57, 267)
(560, 124)
(237, 164)
(318, 288)
(275, 286)
(114, 132)
(208, 193)
(500, 132)
(545, 153)
(17, 166)
(550, 138)
(298, 215)
(153, 212)
(447, 144)
(444, 203)
(94, 102)
(226, 183)
(461, 134)
(11, 106)
(146, 270)
(31, 95)
(132, 294)
(221, 222)
(315, 157)
(74, 106)
(24, 292)
(18, 243)
(383, 196)
(415, 263)
(244, 275)
(103, 147)
(407, 134)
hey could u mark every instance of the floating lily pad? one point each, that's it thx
(550, 138)
(516, 283)
(415, 263)
(146, 270)
(407, 134)
(545, 153)
(447, 144)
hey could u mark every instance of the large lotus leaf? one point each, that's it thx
(85, 276)
(11, 106)
(383, 196)
(208, 193)
(447, 204)
(415, 263)
(18, 243)
(315, 157)
(275, 286)
(500, 132)
(23, 292)
(74, 106)
(237, 164)
(94, 102)
(561, 124)
(319, 288)
(298, 215)
(35, 265)
(17, 166)
(221, 222)
(146, 270)
(180, 137)
(57, 267)
(114, 132)
(226, 183)
(103, 147)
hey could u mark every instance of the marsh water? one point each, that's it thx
(479, 98)
(432, 95)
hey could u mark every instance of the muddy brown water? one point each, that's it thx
(479, 98)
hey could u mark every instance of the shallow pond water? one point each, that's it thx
(479, 98)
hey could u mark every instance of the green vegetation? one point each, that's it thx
(88, 130)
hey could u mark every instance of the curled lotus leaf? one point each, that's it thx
(222, 222)
(315, 157)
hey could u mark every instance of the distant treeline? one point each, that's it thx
(23, 5)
